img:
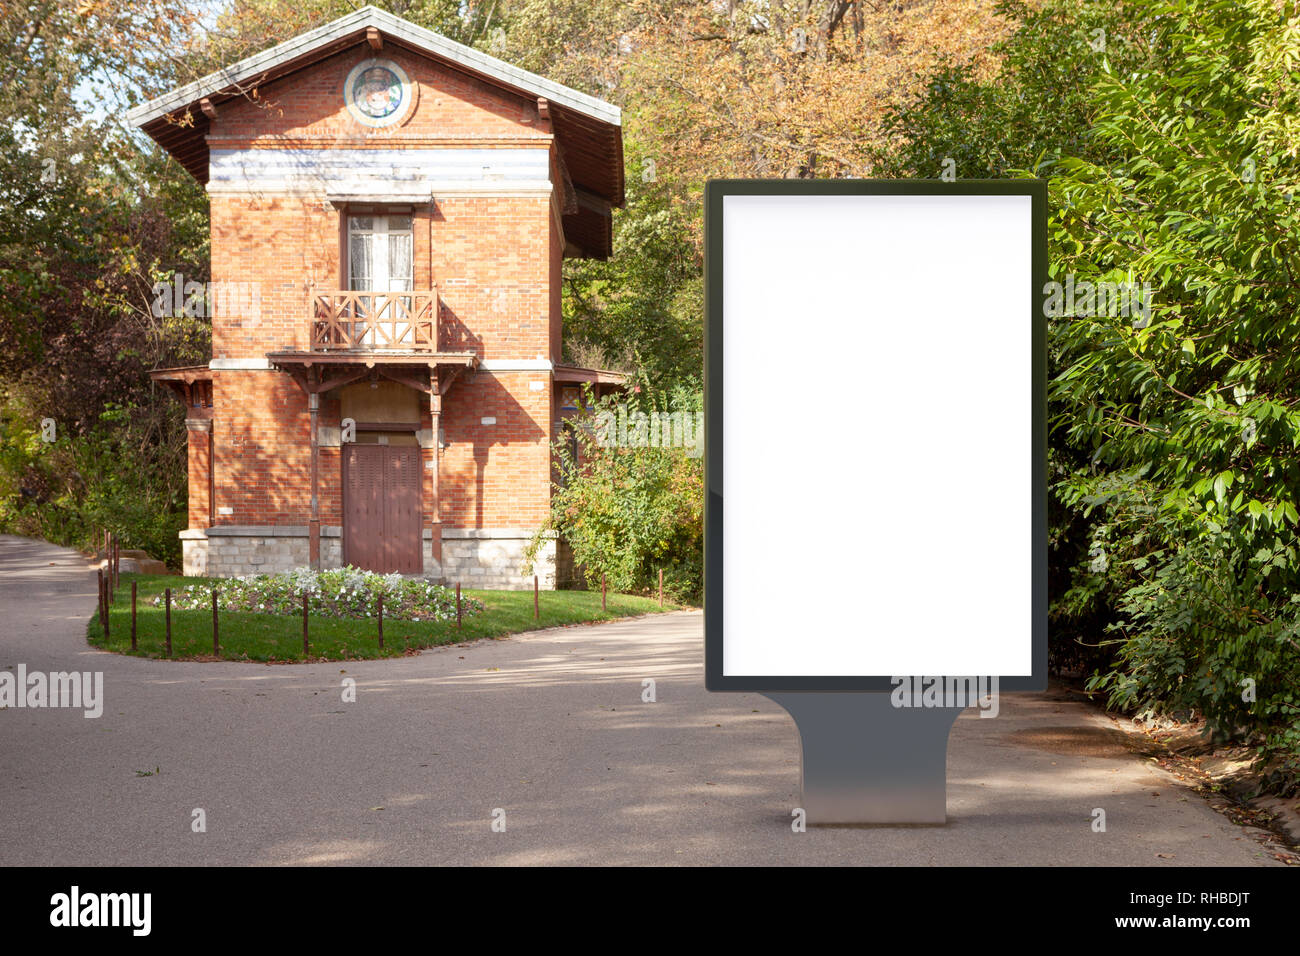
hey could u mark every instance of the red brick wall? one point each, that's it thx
(556, 283)
(282, 246)
(495, 260)
(309, 104)
(493, 476)
(198, 469)
(494, 275)
(263, 452)
(497, 476)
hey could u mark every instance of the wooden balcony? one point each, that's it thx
(366, 321)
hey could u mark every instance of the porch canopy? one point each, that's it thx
(317, 372)
(573, 375)
(192, 384)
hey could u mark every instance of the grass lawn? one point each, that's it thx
(274, 637)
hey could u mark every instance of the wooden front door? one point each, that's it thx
(381, 508)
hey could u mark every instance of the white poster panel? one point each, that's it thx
(880, 421)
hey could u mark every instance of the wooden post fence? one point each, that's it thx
(168, 593)
(216, 641)
(103, 603)
(305, 646)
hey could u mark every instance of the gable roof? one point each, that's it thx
(588, 130)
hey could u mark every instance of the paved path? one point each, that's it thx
(550, 727)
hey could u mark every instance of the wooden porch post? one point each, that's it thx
(313, 526)
(212, 476)
(435, 421)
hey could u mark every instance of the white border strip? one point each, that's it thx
(516, 365)
(239, 365)
(427, 193)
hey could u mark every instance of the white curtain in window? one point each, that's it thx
(399, 260)
(362, 247)
(381, 253)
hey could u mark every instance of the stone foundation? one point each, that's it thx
(484, 558)
(493, 558)
(231, 550)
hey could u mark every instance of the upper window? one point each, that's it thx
(380, 253)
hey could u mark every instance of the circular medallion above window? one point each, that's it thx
(379, 93)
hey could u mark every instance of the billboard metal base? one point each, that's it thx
(866, 761)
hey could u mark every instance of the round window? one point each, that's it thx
(378, 93)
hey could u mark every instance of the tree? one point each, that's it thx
(80, 243)
(1190, 412)
(1036, 107)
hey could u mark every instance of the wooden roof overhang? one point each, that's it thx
(192, 384)
(572, 374)
(319, 372)
(587, 130)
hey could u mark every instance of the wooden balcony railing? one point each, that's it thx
(375, 320)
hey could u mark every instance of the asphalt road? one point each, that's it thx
(549, 728)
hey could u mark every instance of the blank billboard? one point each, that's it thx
(875, 430)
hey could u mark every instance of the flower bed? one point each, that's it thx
(340, 593)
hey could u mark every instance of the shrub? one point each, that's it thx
(626, 507)
(1204, 624)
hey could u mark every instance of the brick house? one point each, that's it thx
(389, 213)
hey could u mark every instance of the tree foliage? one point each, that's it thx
(1034, 108)
(87, 224)
(1199, 405)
